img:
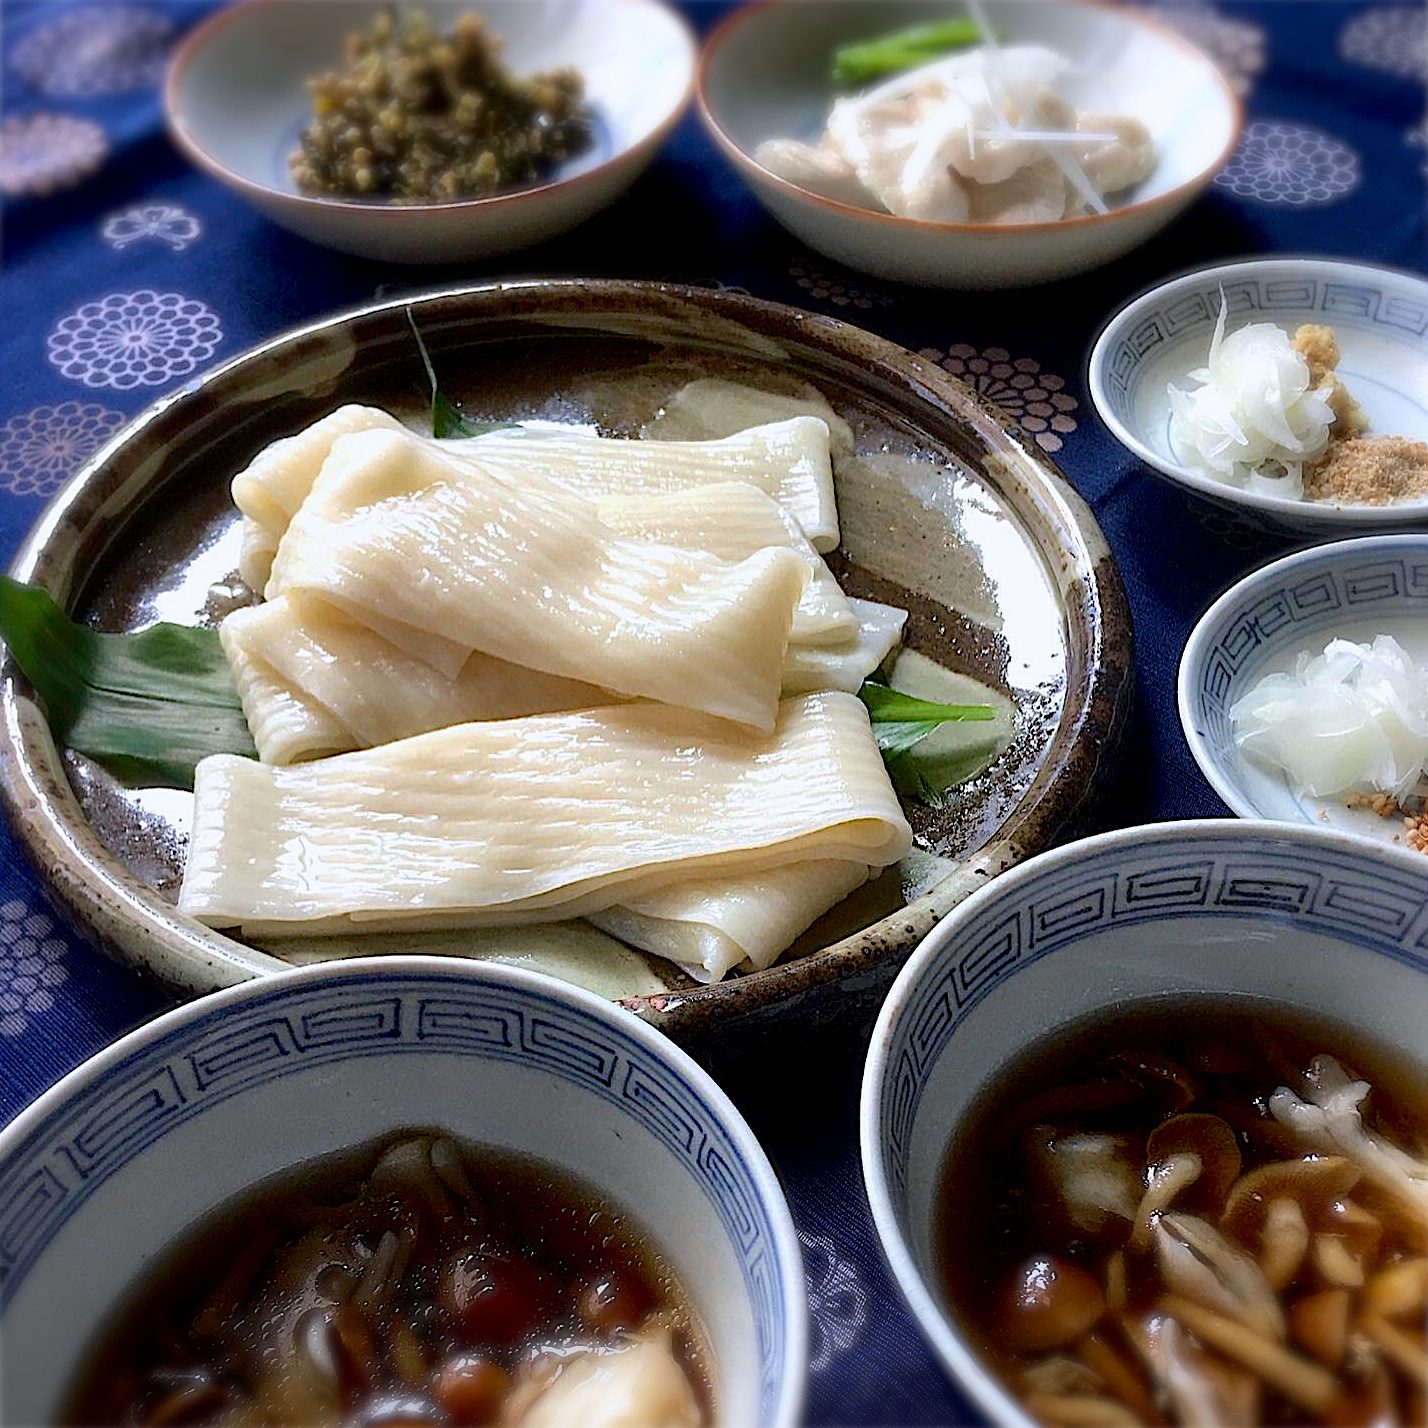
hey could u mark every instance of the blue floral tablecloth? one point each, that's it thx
(124, 272)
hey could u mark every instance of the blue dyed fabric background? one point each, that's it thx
(125, 272)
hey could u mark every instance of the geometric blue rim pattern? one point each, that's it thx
(1307, 599)
(205, 1061)
(1349, 894)
(1342, 304)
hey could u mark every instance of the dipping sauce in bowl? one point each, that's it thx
(1211, 1211)
(395, 1190)
(418, 1278)
(1143, 1131)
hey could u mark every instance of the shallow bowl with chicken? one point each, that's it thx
(1142, 1131)
(400, 1190)
(1073, 135)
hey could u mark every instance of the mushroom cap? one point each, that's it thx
(1207, 1136)
(1311, 1180)
(1045, 1303)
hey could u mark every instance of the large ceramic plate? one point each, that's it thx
(944, 511)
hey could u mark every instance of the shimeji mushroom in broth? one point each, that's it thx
(1230, 1228)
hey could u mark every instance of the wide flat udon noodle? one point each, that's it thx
(271, 488)
(371, 690)
(534, 819)
(314, 681)
(528, 574)
(732, 520)
(286, 724)
(787, 460)
(845, 665)
(712, 925)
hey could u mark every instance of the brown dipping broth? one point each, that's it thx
(1004, 1240)
(270, 1303)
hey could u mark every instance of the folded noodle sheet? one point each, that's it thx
(314, 681)
(404, 542)
(732, 520)
(787, 460)
(276, 482)
(846, 664)
(536, 819)
(712, 925)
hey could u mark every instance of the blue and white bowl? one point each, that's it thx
(1308, 919)
(1379, 315)
(1354, 589)
(141, 1142)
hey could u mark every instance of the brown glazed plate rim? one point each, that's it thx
(127, 919)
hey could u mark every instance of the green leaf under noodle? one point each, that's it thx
(148, 704)
(446, 418)
(900, 722)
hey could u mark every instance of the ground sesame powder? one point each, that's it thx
(1370, 471)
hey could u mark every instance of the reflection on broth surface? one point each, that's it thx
(1207, 1214)
(416, 1281)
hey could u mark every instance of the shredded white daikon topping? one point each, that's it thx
(1353, 718)
(1255, 422)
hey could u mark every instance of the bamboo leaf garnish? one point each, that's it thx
(446, 418)
(901, 722)
(148, 704)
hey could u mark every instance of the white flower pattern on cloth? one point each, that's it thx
(1417, 138)
(167, 222)
(825, 288)
(41, 153)
(31, 965)
(837, 1301)
(1290, 164)
(41, 447)
(128, 340)
(1392, 39)
(1236, 46)
(94, 50)
(1037, 401)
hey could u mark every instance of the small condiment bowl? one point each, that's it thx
(1308, 920)
(237, 101)
(766, 73)
(1352, 589)
(141, 1143)
(1379, 315)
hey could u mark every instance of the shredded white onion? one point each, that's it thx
(1255, 416)
(1352, 718)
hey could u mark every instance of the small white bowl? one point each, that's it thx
(237, 101)
(1307, 919)
(764, 74)
(143, 1141)
(1380, 316)
(1354, 589)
